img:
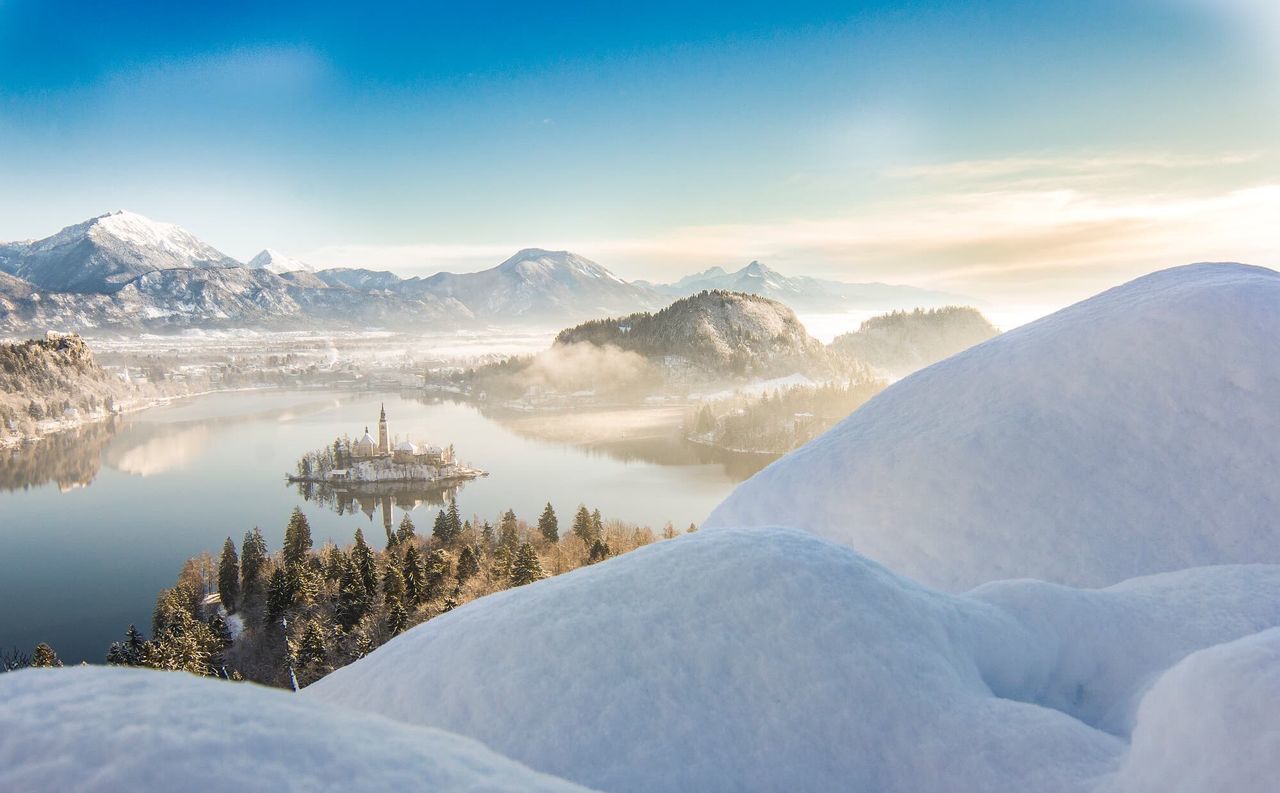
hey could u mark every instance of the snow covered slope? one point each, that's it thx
(1131, 433)
(96, 729)
(773, 660)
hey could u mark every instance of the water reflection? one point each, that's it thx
(70, 459)
(377, 497)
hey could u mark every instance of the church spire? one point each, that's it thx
(384, 437)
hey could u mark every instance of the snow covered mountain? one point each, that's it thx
(535, 284)
(104, 253)
(1131, 433)
(808, 294)
(278, 263)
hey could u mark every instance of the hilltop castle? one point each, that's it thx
(403, 453)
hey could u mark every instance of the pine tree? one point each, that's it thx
(501, 564)
(218, 627)
(331, 561)
(279, 595)
(229, 577)
(363, 646)
(507, 535)
(365, 564)
(415, 582)
(397, 618)
(297, 539)
(599, 551)
(253, 562)
(597, 523)
(406, 531)
(437, 570)
(486, 535)
(353, 599)
(526, 568)
(548, 526)
(44, 657)
(468, 564)
(311, 652)
(440, 530)
(582, 527)
(130, 652)
(392, 585)
(454, 520)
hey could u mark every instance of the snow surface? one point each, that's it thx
(113, 729)
(1132, 433)
(769, 659)
(278, 263)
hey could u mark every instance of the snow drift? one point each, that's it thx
(1132, 433)
(123, 729)
(773, 660)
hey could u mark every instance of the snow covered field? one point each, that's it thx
(1128, 442)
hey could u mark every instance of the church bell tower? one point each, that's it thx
(384, 439)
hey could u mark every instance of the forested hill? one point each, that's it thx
(904, 341)
(52, 378)
(721, 332)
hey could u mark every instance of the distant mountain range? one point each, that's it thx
(808, 294)
(122, 271)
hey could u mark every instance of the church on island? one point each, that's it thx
(404, 453)
(367, 462)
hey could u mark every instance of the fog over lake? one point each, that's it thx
(95, 523)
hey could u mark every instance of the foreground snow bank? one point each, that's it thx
(1210, 724)
(1132, 433)
(772, 660)
(126, 729)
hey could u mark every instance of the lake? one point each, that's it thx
(94, 523)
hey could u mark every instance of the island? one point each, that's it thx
(368, 463)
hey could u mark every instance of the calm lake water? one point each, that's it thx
(93, 524)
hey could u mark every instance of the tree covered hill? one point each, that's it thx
(52, 378)
(903, 341)
(726, 333)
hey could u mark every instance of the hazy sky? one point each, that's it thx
(1013, 150)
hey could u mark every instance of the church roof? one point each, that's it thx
(406, 446)
(367, 438)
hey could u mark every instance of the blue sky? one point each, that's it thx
(998, 147)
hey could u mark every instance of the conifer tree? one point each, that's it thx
(353, 599)
(130, 652)
(365, 564)
(486, 535)
(253, 562)
(415, 582)
(44, 657)
(218, 627)
(279, 595)
(331, 561)
(407, 531)
(507, 535)
(500, 567)
(397, 618)
(437, 570)
(454, 521)
(582, 527)
(297, 539)
(311, 652)
(599, 551)
(440, 530)
(597, 523)
(229, 577)
(468, 564)
(392, 585)
(548, 526)
(363, 646)
(526, 568)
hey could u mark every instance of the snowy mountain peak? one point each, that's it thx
(538, 261)
(278, 263)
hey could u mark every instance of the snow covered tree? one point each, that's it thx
(500, 567)
(279, 595)
(486, 535)
(311, 653)
(548, 526)
(415, 580)
(397, 618)
(407, 530)
(130, 652)
(365, 564)
(253, 563)
(221, 631)
(297, 539)
(468, 564)
(597, 523)
(229, 577)
(440, 530)
(44, 657)
(599, 551)
(583, 527)
(353, 599)
(392, 585)
(526, 568)
(507, 534)
(437, 570)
